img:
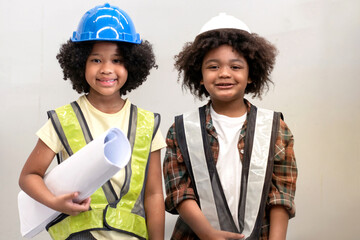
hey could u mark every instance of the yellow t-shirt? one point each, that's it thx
(98, 123)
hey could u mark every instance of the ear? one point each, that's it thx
(201, 82)
(249, 81)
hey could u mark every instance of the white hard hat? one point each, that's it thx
(224, 21)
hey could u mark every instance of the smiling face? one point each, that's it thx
(225, 74)
(105, 71)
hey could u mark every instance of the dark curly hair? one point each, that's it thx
(139, 59)
(258, 52)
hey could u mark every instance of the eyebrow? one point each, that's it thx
(232, 60)
(98, 54)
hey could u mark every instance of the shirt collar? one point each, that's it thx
(209, 124)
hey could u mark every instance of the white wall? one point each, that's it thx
(316, 87)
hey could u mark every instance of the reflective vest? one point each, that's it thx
(261, 133)
(107, 211)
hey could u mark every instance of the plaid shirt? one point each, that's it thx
(179, 187)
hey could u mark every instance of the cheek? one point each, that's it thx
(125, 73)
(88, 73)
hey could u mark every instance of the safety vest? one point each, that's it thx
(261, 133)
(107, 210)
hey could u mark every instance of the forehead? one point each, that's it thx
(102, 47)
(223, 51)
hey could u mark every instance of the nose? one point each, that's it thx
(106, 68)
(224, 72)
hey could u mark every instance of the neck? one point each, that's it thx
(230, 109)
(106, 104)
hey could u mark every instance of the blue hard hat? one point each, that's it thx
(106, 23)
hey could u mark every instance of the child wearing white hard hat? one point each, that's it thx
(229, 169)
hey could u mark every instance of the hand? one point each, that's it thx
(67, 204)
(223, 235)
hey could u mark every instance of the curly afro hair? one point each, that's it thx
(139, 59)
(258, 52)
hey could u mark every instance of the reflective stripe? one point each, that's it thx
(258, 165)
(74, 224)
(128, 203)
(198, 162)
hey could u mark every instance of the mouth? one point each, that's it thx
(106, 80)
(224, 85)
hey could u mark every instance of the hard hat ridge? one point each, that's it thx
(106, 23)
(224, 21)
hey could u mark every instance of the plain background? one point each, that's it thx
(316, 88)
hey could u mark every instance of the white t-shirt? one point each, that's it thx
(228, 165)
(98, 123)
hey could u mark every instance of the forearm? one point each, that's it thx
(154, 199)
(35, 187)
(193, 216)
(155, 216)
(32, 182)
(279, 219)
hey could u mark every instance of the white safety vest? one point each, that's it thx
(261, 133)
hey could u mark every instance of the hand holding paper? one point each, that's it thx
(83, 172)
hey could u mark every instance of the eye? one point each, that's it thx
(213, 67)
(118, 61)
(95, 60)
(236, 67)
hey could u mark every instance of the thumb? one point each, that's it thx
(71, 196)
(231, 235)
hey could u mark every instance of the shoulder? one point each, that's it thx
(171, 136)
(285, 132)
(284, 143)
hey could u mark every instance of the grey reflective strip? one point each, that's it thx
(258, 165)
(109, 192)
(84, 127)
(131, 136)
(132, 125)
(157, 120)
(60, 132)
(199, 167)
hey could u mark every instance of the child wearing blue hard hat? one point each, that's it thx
(104, 59)
(229, 169)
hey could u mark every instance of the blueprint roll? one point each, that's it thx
(84, 172)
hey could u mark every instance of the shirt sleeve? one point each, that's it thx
(283, 186)
(48, 135)
(158, 141)
(177, 181)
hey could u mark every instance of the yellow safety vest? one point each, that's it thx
(107, 211)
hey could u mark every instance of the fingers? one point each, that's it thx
(86, 203)
(71, 206)
(237, 236)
